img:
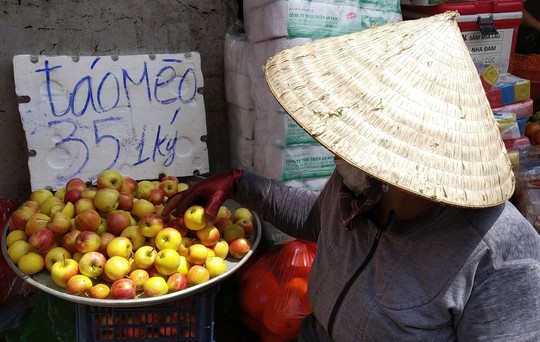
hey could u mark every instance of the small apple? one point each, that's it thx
(54, 255)
(68, 240)
(221, 248)
(103, 226)
(40, 195)
(223, 218)
(110, 179)
(106, 237)
(60, 193)
(69, 210)
(120, 246)
(99, 291)
(139, 277)
(77, 256)
(36, 222)
(172, 178)
(155, 286)
(42, 241)
(49, 203)
(75, 183)
(79, 285)
(233, 231)
(143, 189)
(210, 253)
(87, 220)
(215, 266)
(117, 221)
(197, 274)
(184, 266)
(117, 267)
(182, 187)
(31, 263)
(167, 261)
(84, 203)
(125, 201)
(129, 185)
(208, 236)
(239, 247)
(62, 270)
(177, 282)
(135, 236)
(15, 235)
(168, 237)
(184, 245)
(20, 217)
(30, 205)
(89, 193)
(87, 241)
(169, 187)
(242, 213)
(248, 226)
(197, 254)
(106, 199)
(142, 207)
(17, 250)
(144, 257)
(72, 195)
(150, 224)
(59, 223)
(92, 264)
(123, 288)
(195, 218)
(156, 196)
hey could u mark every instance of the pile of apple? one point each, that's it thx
(110, 240)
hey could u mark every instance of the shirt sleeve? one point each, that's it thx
(287, 208)
(505, 306)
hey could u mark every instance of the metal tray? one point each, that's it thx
(44, 282)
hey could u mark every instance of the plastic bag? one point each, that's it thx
(273, 291)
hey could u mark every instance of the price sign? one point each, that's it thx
(141, 115)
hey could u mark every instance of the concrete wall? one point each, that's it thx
(109, 27)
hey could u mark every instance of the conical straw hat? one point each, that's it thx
(402, 102)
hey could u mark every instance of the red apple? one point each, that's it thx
(42, 241)
(156, 196)
(72, 195)
(197, 274)
(129, 185)
(84, 203)
(248, 226)
(20, 217)
(106, 237)
(75, 183)
(99, 291)
(208, 236)
(59, 223)
(238, 248)
(36, 222)
(125, 201)
(177, 282)
(123, 288)
(79, 285)
(117, 221)
(87, 241)
(87, 220)
(68, 240)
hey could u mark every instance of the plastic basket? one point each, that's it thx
(186, 319)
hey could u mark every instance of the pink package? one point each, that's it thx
(522, 109)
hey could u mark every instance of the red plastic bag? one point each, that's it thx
(273, 291)
(7, 207)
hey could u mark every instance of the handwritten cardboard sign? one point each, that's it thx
(142, 115)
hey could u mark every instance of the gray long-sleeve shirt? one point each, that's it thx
(451, 274)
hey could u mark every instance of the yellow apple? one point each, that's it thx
(17, 250)
(99, 291)
(197, 274)
(221, 248)
(155, 286)
(139, 277)
(167, 261)
(242, 213)
(208, 236)
(79, 285)
(168, 237)
(117, 267)
(15, 235)
(31, 263)
(62, 270)
(120, 246)
(197, 254)
(195, 218)
(215, 266)
(144, 257)
(54, 255)
(184, 266)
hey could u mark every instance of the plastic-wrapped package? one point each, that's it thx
(273, 290)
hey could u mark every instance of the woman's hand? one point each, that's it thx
(211, 192)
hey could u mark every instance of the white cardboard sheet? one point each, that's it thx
(141, 115)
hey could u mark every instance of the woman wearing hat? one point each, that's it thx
(416, 238)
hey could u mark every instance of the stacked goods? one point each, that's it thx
(109, 240)
(271, 143)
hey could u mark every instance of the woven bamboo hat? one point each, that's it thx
(402, 102)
